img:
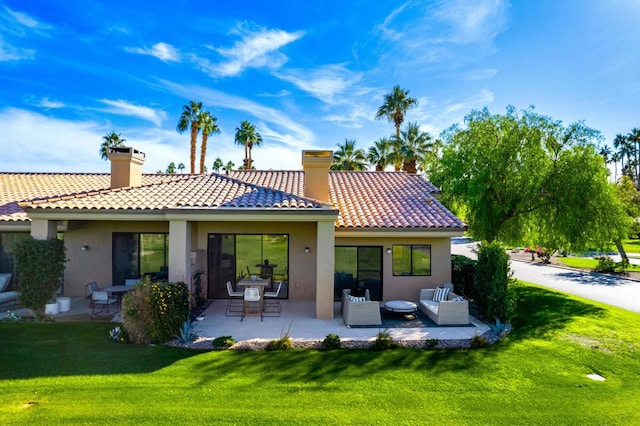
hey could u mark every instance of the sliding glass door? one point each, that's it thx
(358, 266)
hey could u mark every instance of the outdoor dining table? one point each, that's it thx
(118, 290)
(259, 282)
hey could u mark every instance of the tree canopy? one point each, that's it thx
(523, 178)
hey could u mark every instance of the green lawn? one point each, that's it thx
(62, 373)
(579, 262)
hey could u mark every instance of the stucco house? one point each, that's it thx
(318, 230)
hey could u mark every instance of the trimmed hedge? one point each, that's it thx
(463, 270)
(154, 311)
(492, 285)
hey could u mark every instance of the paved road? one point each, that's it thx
(603, 288)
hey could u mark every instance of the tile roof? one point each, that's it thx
(186, 191)
(16, 187)
(365, 200)
(370, 200)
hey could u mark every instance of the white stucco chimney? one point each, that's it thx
(316, 174)
(126, 167)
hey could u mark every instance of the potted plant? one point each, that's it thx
(40, 265)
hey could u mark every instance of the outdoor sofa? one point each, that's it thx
(360, 310)
(451, 311)
(6, 296)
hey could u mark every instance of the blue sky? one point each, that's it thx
(307, 74)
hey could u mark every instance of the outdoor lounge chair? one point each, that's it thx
(452, 310)
(7, 296)
(101, 299)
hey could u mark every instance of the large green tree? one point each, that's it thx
(525, 178)
(395, 106)
(209, 126)
(190, 120)
(110, 140)
(379, 154)
(247, 136)
(348, 157)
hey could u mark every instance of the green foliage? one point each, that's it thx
(463, 270)
(40, 265)
(492, 282)
(283, 343)
(479, 341)
(524, 178)
(605, 264)
(223, 342)
(431, 343)
(331, 341)
(630, 199)
(384, 341)
(155, 311)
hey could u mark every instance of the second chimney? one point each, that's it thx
(126, 167)
(316, 166)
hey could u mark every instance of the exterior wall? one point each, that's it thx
(402, 287)
(302, 266)
(95, 263)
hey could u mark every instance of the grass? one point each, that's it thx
(60, 373)
(579, 262)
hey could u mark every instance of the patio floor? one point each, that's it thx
(297, 317)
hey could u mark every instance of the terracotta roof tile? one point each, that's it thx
(365, 200)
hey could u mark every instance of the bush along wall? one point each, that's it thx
(154, 311)
(493, 291)
(463, 270)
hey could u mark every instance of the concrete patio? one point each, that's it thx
(297, 317)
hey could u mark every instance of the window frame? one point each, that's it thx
(411, 258)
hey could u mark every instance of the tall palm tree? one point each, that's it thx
(621, 143)
(217, 164)
(414, 145)
(171, 168)
(395, 106)
(378, 154)
(247, 136)
(110, 140)
(228, 167)
(190, 119)
(209, 125)
(347, 157)
(431, 156)
(633, 139)
(615, 157)
(181, 167)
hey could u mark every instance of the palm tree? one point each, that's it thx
(378, 154)
(171, 168)
(395, 106)
(110, 140)
(615, 157)
(606, 152)
(217, 164)
(209, 125)
(633, 139)
(228, 167)
(247, 136)
(181, 167)
(190, 119)
(347, 157)
(621, 143)
(414, 144)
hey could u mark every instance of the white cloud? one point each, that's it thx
(325, 83)
(17, 22)
(11, 53)
(255, 49)
(122, 107)
(280, 94)
(47, 104)
(163, 51)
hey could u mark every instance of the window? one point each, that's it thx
(358, 266)
(411, 260)
(135, 255)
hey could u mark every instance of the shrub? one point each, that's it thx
(331, 341)
(223, 342)
(431, 343)
(40, 265)
(154, 311)
(479, 341)
(605, 264)
(187, 331)
(463, 270)
(492, 281)
(384, 341)
(283, 343)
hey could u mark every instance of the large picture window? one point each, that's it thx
(137, 254)
(411, 260)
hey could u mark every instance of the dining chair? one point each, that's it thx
(235, 300)
(101, 298)
(252, 303)
(271, 300)
(89, 289)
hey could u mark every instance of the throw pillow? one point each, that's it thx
(440, 295)
(356, 299)
(459, 299)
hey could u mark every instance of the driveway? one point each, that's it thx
(608, 289)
